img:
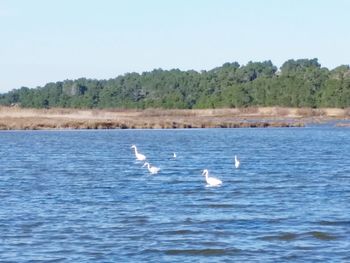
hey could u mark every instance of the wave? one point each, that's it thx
(334, 223)
(289, 236)
(202, 252)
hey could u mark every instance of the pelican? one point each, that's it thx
(237, 162)
(139, 156)
(151, 169)
(211, 181)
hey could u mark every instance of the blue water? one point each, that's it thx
(80, 196)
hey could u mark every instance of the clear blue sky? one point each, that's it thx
(52, 40)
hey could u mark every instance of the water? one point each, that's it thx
(80, 196)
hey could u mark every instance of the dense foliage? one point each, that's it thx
(298, 83)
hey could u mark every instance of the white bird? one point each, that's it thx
(151, 169)
(211, 181)
(139, 156)
(174, 155)
(237, 162)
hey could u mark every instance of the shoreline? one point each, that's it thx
(16, 118)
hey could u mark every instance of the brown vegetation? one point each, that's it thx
(33, 119)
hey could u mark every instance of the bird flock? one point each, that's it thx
(210, 180)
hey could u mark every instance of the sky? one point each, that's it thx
(47, 41)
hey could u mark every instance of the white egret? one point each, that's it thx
(151, 169)
(237, 162)
(211, 181)
(139, 156)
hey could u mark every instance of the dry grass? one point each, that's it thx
(347, 112)
(280, 111)
(18, 118)
(309, 112)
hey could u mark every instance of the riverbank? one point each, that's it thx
(15, 118)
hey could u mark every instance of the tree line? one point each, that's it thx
(297, 83)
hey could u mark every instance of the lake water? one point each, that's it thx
(80, 196)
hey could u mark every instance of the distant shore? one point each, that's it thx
(16, 118)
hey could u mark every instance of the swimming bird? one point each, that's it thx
(174, 156)
(151, 169)
(139, 156)
(237, 162)
(211, 181)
